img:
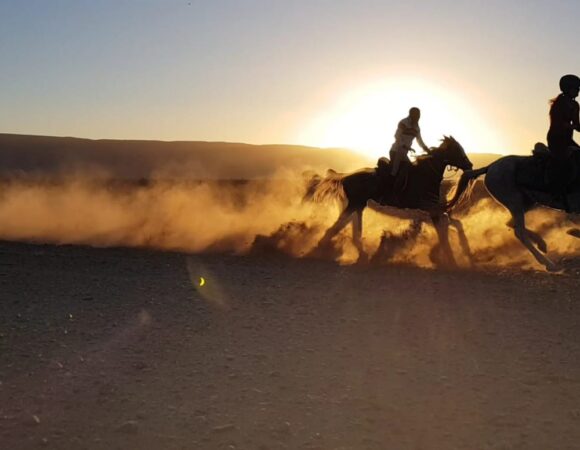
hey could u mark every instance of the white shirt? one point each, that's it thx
(406, 132)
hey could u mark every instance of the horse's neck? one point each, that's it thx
(434, 167)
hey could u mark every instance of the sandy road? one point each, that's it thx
(115, 348)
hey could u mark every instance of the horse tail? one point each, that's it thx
(464, 188)
(321, 189)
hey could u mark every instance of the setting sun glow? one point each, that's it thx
(365, 119)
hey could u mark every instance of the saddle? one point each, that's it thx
(383, 166)
(543, 171)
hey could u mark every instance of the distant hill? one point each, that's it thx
(43, 155)
(132, 159)
(483, 159)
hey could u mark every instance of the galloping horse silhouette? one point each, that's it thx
(420, 192)
(517, 183)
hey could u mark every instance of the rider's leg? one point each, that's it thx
(395, 163)
(559, 173)
(404, 164)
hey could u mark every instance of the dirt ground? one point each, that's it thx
(123, 349)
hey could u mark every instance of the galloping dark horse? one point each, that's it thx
(518, 183)
(420, 192)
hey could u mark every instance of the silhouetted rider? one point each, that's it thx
(564, 116)
(564, 119)
(407, 130)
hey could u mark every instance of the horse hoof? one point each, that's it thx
(315, 253)
(553, 267)
(324, 251)
(363, 258)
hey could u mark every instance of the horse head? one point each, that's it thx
(453, 153)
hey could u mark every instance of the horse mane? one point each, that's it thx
(445, 142)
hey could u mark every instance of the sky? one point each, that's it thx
(312, 72)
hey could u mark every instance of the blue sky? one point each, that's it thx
(254, 71)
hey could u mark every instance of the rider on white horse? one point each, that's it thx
(564, 120)
(564, 116)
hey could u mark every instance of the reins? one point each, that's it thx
(433, 168)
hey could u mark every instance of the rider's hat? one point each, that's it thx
(568, 82)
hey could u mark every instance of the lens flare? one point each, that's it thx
(201, 277)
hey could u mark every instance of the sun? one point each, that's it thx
(365, 119)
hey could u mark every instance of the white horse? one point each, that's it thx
(517, 183)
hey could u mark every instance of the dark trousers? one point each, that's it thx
(399, 160)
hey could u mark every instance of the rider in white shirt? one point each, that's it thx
(407, 130)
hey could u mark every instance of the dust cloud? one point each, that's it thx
(247, 216)
(493, 242)
(89, 204)
(196, 217)
(191, 196)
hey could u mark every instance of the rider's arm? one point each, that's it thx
(421, 143)
(576, 117)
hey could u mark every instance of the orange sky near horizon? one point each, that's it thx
(364, 116)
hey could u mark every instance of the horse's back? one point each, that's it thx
(508, 177)
(360, 186)
(360, 175)
(364, 171)
(506, 168)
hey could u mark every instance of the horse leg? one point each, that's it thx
(390, 243)
(455, 223)
(539, 240)
(341, 222)
(357, 235)
(535, 237)
(442, 227)
(523, 235)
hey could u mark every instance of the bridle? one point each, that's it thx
(430, 161)
(449, 167)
